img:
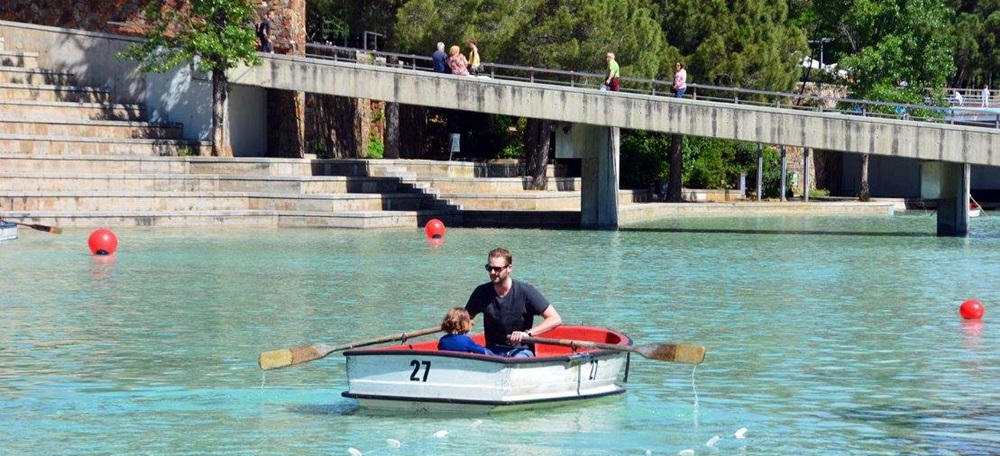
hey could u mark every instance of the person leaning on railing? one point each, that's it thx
(474, 61)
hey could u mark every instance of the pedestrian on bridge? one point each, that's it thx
(680, 80)
(457, 62)
(611, 80)
(264, 32)
(474, 61)
(986, 96)
(438, 59)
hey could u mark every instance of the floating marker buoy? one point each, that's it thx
(712, 441)
(103, 242)
(971, 309)
(434, 229)
(740, 433)
(441, 434)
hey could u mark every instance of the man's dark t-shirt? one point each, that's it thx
(264, 30)
(438, 59)
(502, 316)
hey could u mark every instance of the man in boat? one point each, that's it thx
(509, 308)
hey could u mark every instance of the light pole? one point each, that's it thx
(821, 42)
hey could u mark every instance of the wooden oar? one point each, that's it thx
(676, 353)
(35, 226)
(285, 357)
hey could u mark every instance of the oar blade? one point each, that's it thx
(46, 228)
(675, 353)
(276, 359)
(40, 227)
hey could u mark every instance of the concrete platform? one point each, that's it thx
(645, 212)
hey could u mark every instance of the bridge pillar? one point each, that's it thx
(949, 184)
(598, 149)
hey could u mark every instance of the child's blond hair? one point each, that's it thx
(457, 321)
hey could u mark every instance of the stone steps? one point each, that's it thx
(502, 185)
(58, 110)
(19, 59)
(24, 92)
(71, 157)
(533, 201)
(82, 145)
(241, 218)
(89, 128)
(117, 200)
(177, 182)
(35, 76)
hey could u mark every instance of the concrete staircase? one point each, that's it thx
(73, 157)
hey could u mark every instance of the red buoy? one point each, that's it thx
(103, 242)
(971, 309)
(434, 229)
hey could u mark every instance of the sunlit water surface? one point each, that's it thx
(824, 336)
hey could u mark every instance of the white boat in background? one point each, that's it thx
(8, 231)
(419, 377)
(975, 210)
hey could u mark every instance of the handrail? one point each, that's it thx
(736, 95)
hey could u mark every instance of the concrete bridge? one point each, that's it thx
(592, 118)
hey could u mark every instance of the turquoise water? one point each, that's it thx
(824, 336)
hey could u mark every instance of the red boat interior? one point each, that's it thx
(565, 332)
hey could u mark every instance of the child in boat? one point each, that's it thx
(457, 324)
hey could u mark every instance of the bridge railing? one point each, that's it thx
(945, 113)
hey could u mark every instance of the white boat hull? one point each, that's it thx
(420, 378)
(8, 231)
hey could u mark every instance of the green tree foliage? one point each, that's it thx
(977, 42)
(575, 35)
(216, 35)
(883, 42)
(325, 22)
(643, 158)
(744, 43)
(420, 24)
(558, 34)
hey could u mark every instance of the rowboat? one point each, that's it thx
(975, 210)
(418, 377)
(8, 231)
